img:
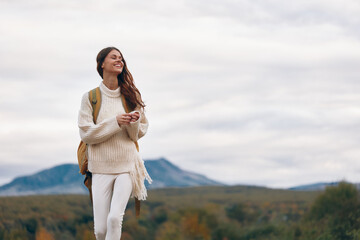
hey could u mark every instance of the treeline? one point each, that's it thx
(204, 213)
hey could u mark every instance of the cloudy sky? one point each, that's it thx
(245, 92)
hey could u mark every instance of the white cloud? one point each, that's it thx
(249, 92)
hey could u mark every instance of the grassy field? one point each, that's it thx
(228, 195)
(220, 213)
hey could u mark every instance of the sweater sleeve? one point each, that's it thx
(138, 129)
(92, 133)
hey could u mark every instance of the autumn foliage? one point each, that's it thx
(203, 213)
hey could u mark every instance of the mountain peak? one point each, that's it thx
(66, 179)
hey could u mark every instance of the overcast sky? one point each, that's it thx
(245, 92)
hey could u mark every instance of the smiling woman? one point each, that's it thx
(114, 163)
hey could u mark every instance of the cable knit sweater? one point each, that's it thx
(111, 147)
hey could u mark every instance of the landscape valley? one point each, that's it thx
(181, 205)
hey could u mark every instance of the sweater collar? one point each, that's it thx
(109, 92)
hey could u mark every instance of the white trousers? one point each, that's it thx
(111, 193)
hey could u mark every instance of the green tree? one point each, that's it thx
(16, 234)
(226, 231)
(241, 213)
(337, 212)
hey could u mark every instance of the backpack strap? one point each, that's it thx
(95, 99)
(137, 201)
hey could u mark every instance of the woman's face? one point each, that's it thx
(113, 63)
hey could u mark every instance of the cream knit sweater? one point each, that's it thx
(111, 147)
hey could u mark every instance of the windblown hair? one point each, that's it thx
(125, 80)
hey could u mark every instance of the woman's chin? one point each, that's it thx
(116, 72)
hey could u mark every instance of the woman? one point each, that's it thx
(118, 171)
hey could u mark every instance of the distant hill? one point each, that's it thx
(66, 179)
(166, 174)
(318, 186)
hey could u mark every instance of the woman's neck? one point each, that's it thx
(110, 81)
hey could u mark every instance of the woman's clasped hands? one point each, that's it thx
(126, 118)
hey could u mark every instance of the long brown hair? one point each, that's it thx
(125, 80)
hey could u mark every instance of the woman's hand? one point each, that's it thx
(124, 119)
(134, 116)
